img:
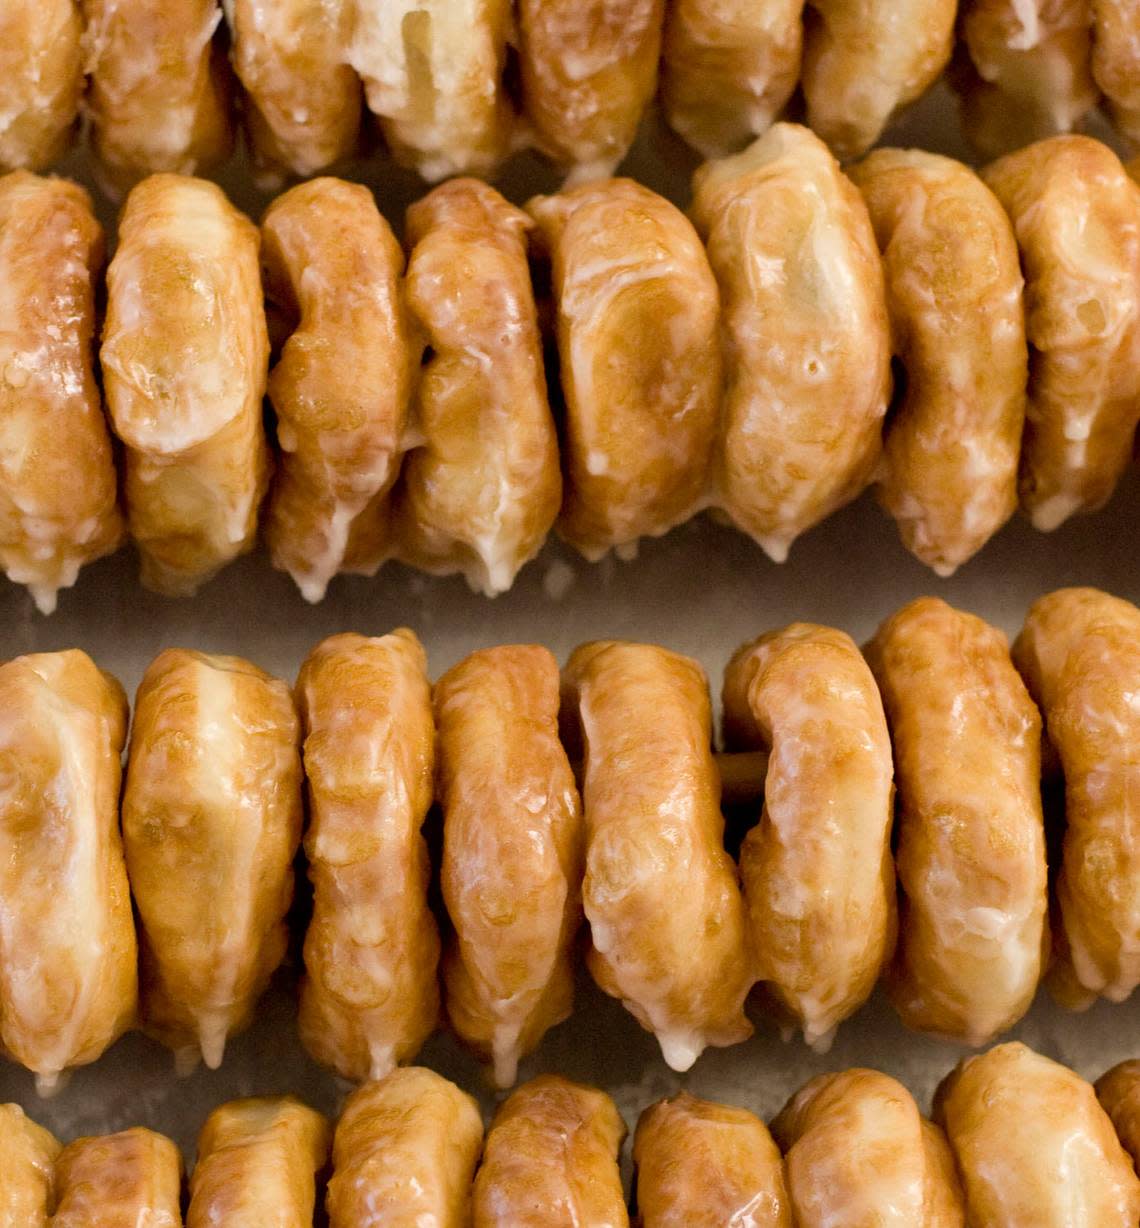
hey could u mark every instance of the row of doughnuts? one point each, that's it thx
(1016, 1141)
(749, 374)
(152, 78)
(677, 930)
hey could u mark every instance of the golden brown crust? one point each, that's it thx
(667, 920)
(706, 1165)
(370, 997)
(1079, 653)
(184, 360)
(551, 1160)
(727, 69)
(640, 361)
(41, 80)
(1118, 1091)
(27, 1170)
(159, 94)
(1034, 1148)
(342, 386)
(954, 290)
(512, 852)
(1076, 215)
(820, 854)
(302, 101)
(211, 823)
(257, 1165)
(128, 1180)
(1116, 61)
(806, 333)
(404, 1154)
(588, 69)
(68, 981)
(480, 492)
(859, 1153)
(866, 61)
(58, 490)
(970, 833)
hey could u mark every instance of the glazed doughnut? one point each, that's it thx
(27, 1170)
(512, 852)
(211, 824)
(1116, 62)
(1079, 653)
(184, 360)
(949, 469)
(1025, 70)
(404, 1153)
(551, 1160)
(41, 80)
(432, 72)
(859, 1153)
(257, 1165)
(1118, 1091)
(158, 94)
(970, 835)
(587, 71)
(865, 61)
(58, 490)
(728, 68)
(302, 101)
(1034, 1148)
(640, 362)
(369, 998)
(342, 386)
(68, 979)
(1076, 214)
(706, 1165)
(807, 340)
(480, 492)
(667, 922)
(128, 1180)
(820, 853)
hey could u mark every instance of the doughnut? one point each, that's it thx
(369, 998)
(667, 923)
(58, 490)
(820, 853)
(859, 1153)
(211, 824)
(480, 491)
(551, 1160)
(807, 339)
(865, 61)
(41, 81)
(27, 1170)
(948, 474)
(637, 318)
(404, 1153)
(158, 95)
(1034, 1148)
(1076, 214)
(1079, 653)
(341, 388)
(970, 835)
(587, 71)
(257, 1165)
(432, 72)
(1024, 71)
(184, 360)
(302, 102)
(1116, 62)
(706, 1165)
(512, 852)
(727, 69)
(1118, 1091)
(132, 1179)
(68, 978)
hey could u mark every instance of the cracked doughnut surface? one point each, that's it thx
(27, 1170)
(132, 1179)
